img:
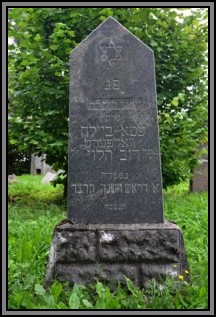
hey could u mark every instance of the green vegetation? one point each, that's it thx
(39, 78)
(34, 211)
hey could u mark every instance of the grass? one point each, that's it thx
(34, 211)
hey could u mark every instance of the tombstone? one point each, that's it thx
(199, 181)
(39, 165)
(115, 224)
(11, 179)
(49, 177)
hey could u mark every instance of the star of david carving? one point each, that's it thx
(111, 53)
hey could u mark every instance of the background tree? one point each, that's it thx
(39, 78)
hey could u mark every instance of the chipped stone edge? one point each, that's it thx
(136, 226)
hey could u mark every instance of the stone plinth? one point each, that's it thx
(85, 253)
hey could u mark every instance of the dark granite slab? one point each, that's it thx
(114, 157)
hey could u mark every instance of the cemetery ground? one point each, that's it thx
(36, 208)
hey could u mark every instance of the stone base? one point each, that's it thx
(86, 253)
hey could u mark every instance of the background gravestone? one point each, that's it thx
(114, 157)
(39, 165)
(200, 177)
(115, 224)
(199, 181)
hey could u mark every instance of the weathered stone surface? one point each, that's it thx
(79, 273)
(72, 247)
(114, 157)
(66, 225)
(85, 253)
(158, 271)
(89, 273)
(149, 245)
